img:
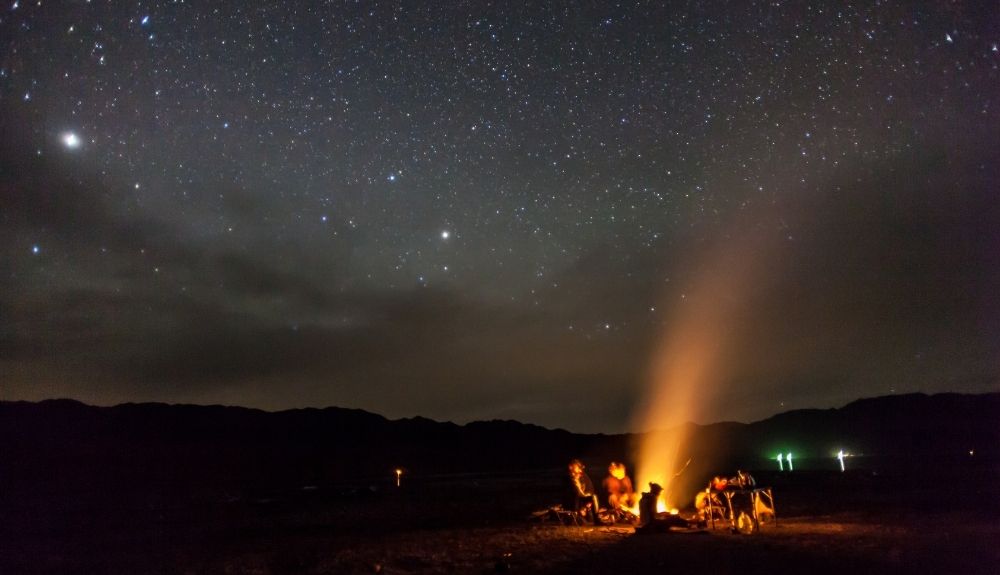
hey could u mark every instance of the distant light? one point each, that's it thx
(71, 140)
(840, 456)
(781, 465)
(788, 458)
(399, 475)
(445, 234)
(972, 452)
(35, 249)
(145, 20)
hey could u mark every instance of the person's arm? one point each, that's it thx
(588, 485)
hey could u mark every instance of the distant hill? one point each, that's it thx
(917, 424)
(68, 444)
(57, 441)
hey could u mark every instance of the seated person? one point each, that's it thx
(743, 480)
(707, 505)
(650, 520)
(580, 492)
(618, 486)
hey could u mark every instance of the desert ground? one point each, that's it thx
(856, 522)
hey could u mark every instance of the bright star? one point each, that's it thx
(392, 177)
(71, 140)
(445, 234)
(145, 20)
(35, 249)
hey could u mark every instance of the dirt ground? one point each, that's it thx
(833, 544)
(843, 525)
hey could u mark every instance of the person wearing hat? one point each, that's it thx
(650, 521)
(581, 492)
(647, 505)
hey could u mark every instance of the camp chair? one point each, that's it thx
(559, 513)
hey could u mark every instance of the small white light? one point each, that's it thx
(71, 140)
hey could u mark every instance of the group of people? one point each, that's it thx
(619, 496)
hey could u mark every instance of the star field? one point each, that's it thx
(476, 210)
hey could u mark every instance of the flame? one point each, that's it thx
(661, 507)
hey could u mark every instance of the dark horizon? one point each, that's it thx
(526, 423)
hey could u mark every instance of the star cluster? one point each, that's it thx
(489, 209)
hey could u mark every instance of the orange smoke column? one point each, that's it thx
(689, 365)
(680, 372)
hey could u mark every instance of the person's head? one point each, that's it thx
(655, 489)
(576, 467)
(617, 470)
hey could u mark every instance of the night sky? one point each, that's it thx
(477, 210)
